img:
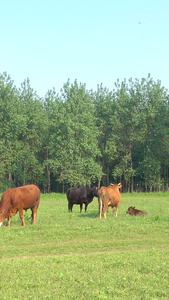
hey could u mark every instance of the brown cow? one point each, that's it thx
(134, 212)
(19, 199)
(109, 196)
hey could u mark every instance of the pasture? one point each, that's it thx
(78, 256)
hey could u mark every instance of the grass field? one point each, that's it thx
(78, 256)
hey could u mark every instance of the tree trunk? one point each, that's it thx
(48, 170)
(132, 179)
(99, 183)
(108, 171)
(132, 184)
(10, 178)
(48, 175)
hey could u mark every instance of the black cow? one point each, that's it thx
(80, 195)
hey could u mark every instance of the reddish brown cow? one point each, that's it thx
(109, 196)
(19, 199)
(133, 211)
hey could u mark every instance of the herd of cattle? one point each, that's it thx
(28, 197)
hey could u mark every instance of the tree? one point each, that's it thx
(74, 145)
(31, 156)
(80, 137)
(104, 106)
(128, 128)
(11, 127)
(154, 107)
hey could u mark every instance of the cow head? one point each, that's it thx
(4, 213)
(95, 191)
(2, 217)
(119, 185)
(130, 210)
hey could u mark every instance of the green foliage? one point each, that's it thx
(78, 256)
(81, 137)
(73, 144)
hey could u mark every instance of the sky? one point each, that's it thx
(93, 41)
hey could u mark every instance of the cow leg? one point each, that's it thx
(21, 215)
(9, 221)
(34, 214)
(12, 213)
(105, 208)
(70, 206)
(86, 207)
(104, 213)
(81, 206)
(100, 208)
(117, 208)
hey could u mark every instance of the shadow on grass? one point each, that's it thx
(89, 215)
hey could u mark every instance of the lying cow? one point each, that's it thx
(109, 196)
(134, 212)
(80, 195)
(19, 199)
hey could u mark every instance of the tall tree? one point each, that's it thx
(104, 106)
(31, 156)
(154, 106)
(75, 138)
(51, 106)
(79, 137)
(11, 127)
(128, 128)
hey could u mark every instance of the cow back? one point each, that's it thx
(27, 196)
(113, 194)
(109, 196)
(74, 194)
(23, 197)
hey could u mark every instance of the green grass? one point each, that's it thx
(78, 256)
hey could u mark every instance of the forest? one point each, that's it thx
(81, 137)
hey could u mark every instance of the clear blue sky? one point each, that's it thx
(93, 41)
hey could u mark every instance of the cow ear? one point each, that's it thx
(111, 184)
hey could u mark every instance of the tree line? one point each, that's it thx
(81, 137)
